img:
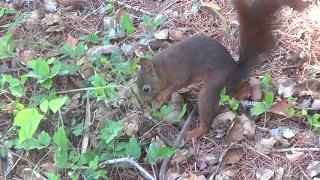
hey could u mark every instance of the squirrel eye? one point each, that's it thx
(146, 89)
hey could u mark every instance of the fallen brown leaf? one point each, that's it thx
(234, 155)
(162, 34)
(248, 126)
(209, 4)
(26, 56)
(235, 133)
(294, 156)
(281, 107)
(72, 41)
(313, 169)
(181, 156)
(264, 174)
(131, 123)
(265, 145)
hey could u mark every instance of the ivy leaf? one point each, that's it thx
(127, 23)
(60, 137)
(133, 148)
(165, 151)
(152, 153)
(44, 138)
(28, 120)
(56, 104)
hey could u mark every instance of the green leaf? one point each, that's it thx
(44, 106)
(47, 83)
(127, 23)
(313, 120)
(112, 129)
(29, 144)
(28, 120)
(79, 128)
(292, 99)
(148, 21)
(183, 111)
(55, 69)
(86, 157)
(79, 50)
(61, 158)
(56, 104)
(291, 111)
(159, 20)
(266, 81)
(68, 50)
(165, 110)
(259, 108)
(40, 68)
(17, 91)
(52, 176)
(269, 99)
(120, 146)
(133, 148)
(93, 38)
(165, 152)
(116, 57)
(94, 163)
(304, 112)
(69, 69)
(44, 138)
(59, 137)
(152, 153)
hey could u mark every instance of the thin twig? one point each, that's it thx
(131, 7)
(314, 149)
(130, 160)
(177, 143)
(304, 174)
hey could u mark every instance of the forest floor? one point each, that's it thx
(70, 108)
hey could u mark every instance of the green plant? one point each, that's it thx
(43, 73)
(76, 52)
(152, 23)
(154, 154)
(314, 121)
(262, 107)
(233, 103)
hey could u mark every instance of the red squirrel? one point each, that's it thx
(203, 58)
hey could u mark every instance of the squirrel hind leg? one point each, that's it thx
(207, 105)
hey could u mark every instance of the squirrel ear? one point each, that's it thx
(146, 64)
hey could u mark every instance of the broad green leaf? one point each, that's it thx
(29, 144)
(116, 57)
(304, 112)
(93, 38)
(112, 129)
(68, 50)
(79, 50)
(86, 157)
(269, 99)
(61, 158)
(133, 148)
(17, 91)
(56, 104)
(44, 106)
(266, 81)
(44, 138)
(69, 69)
(165, 151)
(79, 128)
(28, 120)
(127, 23)
(94, 163)
(159, 20)
(148, 21)
(152, 153)
(46, 83)
(52, 176)
(59, 137)
(120, 146)
(259, 109)
(55, 69)
(291, 111)
(184, 110)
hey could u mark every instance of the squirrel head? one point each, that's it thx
(147, 81)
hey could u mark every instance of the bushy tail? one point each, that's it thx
(257, 21)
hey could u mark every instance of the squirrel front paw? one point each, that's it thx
(194, 134)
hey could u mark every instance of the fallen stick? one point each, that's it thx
(130, 160)
(177, 143)
(314, 149)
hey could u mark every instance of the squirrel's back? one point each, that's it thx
(196, 54)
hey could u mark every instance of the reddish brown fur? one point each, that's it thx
(200, 57)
